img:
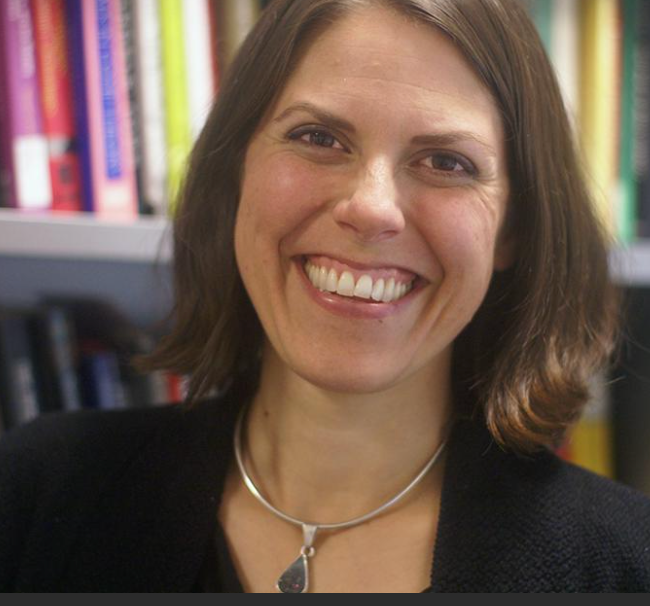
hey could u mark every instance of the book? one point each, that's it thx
(150, 103)
(54, 345)
(591, 442)
(627, 202)
(101, 384)
(642, 119)
(19, 398)
(177, 123)
(235, 18)
(55, 80)
(214, 43)
(564, 50)
(102, 108)
(599, 86)
(24, 158)
(198, 63)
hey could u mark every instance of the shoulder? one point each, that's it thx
(57, 472)
(511, 523)
(613, 522)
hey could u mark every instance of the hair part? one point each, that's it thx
(547, 323)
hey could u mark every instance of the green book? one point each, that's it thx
(627, 203)
(541, 12)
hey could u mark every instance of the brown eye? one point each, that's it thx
(316, 138)
(451, 163)
(446, 162)
(321, 139)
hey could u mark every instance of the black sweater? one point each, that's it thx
(127, 501)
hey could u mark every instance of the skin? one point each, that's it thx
(350, 409)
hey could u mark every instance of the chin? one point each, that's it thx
(351, 379)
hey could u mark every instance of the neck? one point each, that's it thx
(328, 456)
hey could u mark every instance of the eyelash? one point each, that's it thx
(466, 165)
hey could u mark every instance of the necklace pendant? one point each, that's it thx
(295, 579)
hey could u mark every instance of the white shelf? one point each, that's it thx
(80, 236)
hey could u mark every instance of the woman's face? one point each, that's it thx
(382, 163)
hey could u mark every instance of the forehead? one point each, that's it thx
(378, 59)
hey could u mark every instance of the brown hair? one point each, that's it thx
(547, 322)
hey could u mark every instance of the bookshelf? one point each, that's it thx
(127, 263)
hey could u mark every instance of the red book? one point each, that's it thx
(55, 81)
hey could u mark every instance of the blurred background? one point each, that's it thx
(100, 103)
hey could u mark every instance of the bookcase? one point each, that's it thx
(128, 264)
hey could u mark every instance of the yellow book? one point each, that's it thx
(177, 122)
(599, 92)
(591, 440)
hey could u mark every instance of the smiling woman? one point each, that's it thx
(388, 267)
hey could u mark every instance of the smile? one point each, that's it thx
(357, 283)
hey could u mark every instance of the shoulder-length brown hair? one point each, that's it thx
(546, 324)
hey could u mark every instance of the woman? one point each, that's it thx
(387, 264)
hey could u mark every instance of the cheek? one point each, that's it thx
(280, 195)
(462, 234)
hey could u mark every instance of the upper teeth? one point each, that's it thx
(382, 290)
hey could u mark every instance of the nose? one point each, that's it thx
(371, 213)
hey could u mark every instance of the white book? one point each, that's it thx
(150, 102)
(198, 62)
(565, 51)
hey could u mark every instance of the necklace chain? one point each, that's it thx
(295, 578)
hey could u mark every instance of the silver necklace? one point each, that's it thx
(295, 579)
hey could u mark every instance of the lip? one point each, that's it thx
(351, 308)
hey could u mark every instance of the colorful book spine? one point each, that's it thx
(599, 102)
(24, 158)
(626, 219)
(101, 92)
(642, 118)
(198, 62)
(56, 101)
(177, 123)
(150, 103)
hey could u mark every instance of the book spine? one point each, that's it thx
(18, 391)
(101, 383)
(128, 35)
(237, 18)
(179, 135)
(150, 103)
(25, 157)
(599, 101)
(564, 44)
(214, 44)
(198, 62)
(642, 117)
(107, 154)
(626, 219)
(56, 101)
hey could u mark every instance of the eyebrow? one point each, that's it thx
(326, 117)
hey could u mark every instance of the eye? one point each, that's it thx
(315, 137)
(449, 162)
